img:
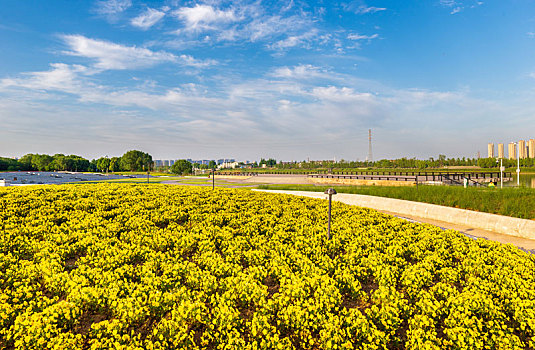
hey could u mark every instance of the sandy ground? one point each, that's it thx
(271, 179)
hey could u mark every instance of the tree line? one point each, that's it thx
(133, 160)
(401, 163)
(508, 163)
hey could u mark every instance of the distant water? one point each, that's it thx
(527, 180)
(56, 178)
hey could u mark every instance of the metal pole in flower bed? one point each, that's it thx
(330, 192)
(213, 178)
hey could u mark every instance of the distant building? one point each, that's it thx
(531, 147)
(511, 150)
(165, 163)
(228, 165)
(501, 154)
(522, 150)
(491, 150)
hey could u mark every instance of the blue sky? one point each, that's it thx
(249, 79)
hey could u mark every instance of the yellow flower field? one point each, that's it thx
(165, 267)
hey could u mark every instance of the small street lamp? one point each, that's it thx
(148, 171)
(501, 171)
(330, 192)
(213, 178)
(517, 165)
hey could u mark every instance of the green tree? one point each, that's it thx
(26, 162)
(12, 165)
(271, 162)
(136, 161)
(115, 164)
(59, 163)
(211, 164)
(182, 167)
(42, 162)
(79, 163)
(103, 164)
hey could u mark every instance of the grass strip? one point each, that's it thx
(514, 202)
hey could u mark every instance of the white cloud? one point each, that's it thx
(110, 55)
(111, 7)
(362, 37)
(242, 21)
(62, 77)
(455, 6)
(340, 94)
(458, 6)
(448, 3)
(359, 8)
(297, 117)
(147, 19)
(370, 9)
(305, 71)
(202, 17)
(190, 61)
(294, 40)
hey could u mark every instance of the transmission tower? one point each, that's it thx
(370, 157)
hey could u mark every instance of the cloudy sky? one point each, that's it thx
(287, 79)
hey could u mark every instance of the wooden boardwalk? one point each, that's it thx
(449, 178)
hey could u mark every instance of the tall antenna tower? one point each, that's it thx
(370, 157)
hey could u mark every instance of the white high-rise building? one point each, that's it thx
(490, 150)
(511, 150)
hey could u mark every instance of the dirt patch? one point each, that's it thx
(370, 286)
(352, 302)
(71, 260)
(400, 338)
(146, 327)
(272, 284)
(84, 323)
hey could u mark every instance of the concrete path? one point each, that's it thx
(503, 229)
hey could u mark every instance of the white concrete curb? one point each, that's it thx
(485, 221)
